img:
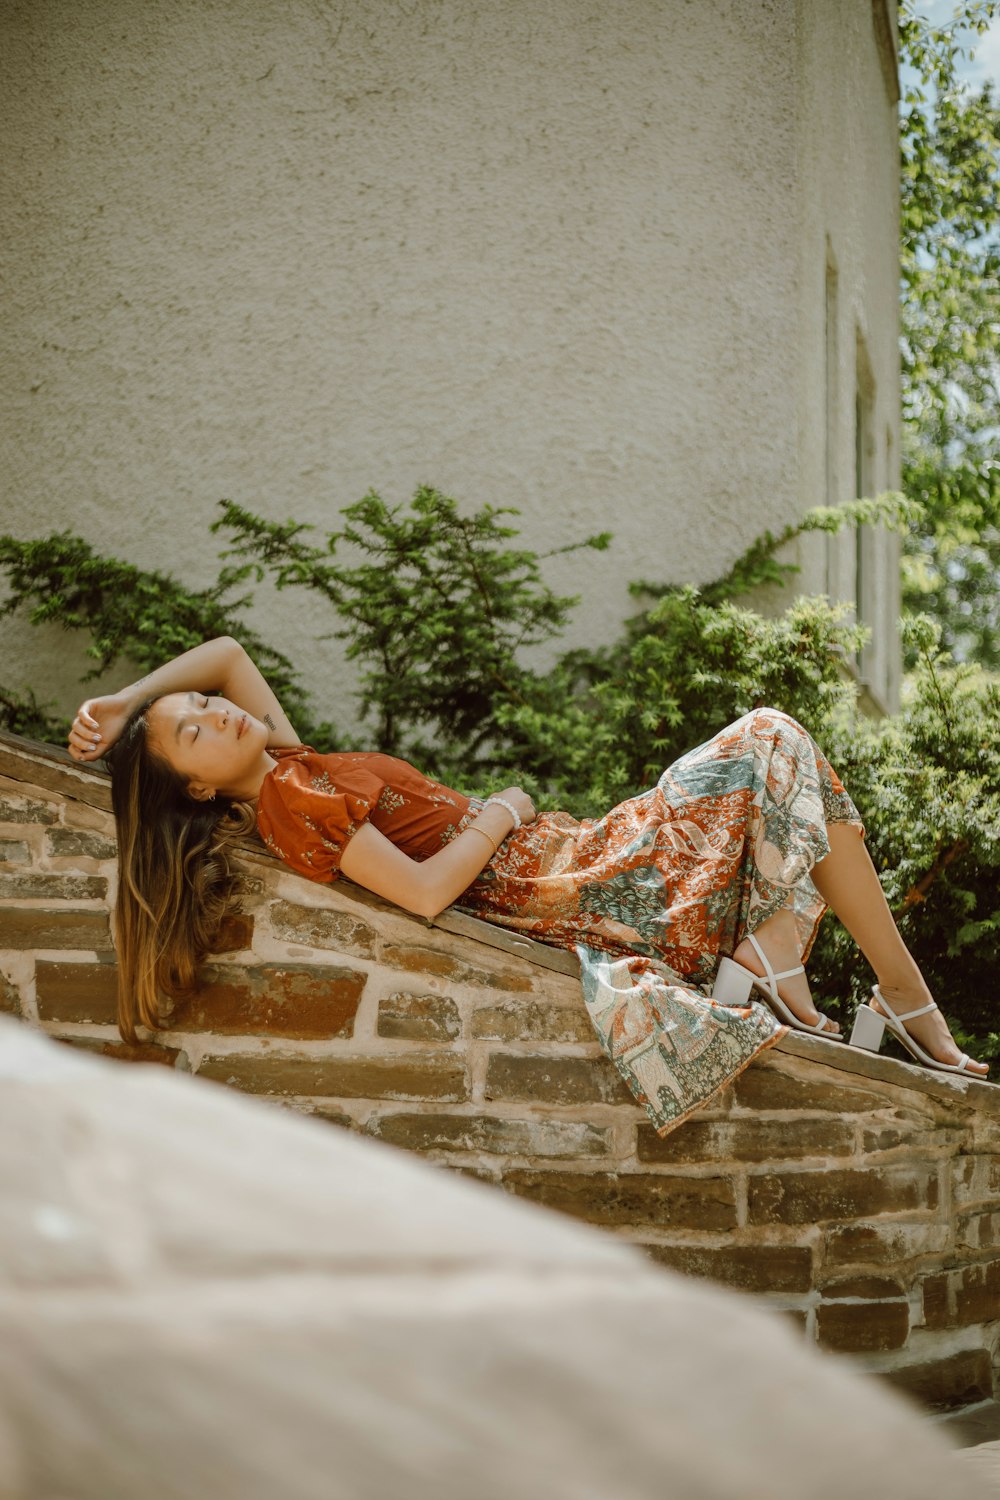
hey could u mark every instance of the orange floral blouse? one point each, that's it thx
(310, 805)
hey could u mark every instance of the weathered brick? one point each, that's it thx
(976, 1180)
(838, 1193)
(41, 927)
(38, 886)
(66, 842)
(749, 1268)
(764, 1086)
(967, 1294)
(234, 933)
(885, 1244)
(631, 1198)
(477, 1173)
(429, 1075)
(916, 1137)
(551, 1138)
(315, 927)
(76, 992)
(862, 1327)
(937, 1302)
(419, 1018)
(532, 1021)
(333, 1116)
(874, 1288)
(24, 810)
(979, 1231)
(554, 1080)
(956, 1380)
(292, 1000)
(57, 775)
(417, 960)
(14, 852)
(10, 1000)
(744, 1139)
(140, 1052)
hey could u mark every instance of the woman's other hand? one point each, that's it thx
(519, 799)
(97, 726)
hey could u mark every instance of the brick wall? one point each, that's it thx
(858, 1195)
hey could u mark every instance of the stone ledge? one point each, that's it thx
(858, 1196)
(58, 772)
(951, 1088)
(53, 770)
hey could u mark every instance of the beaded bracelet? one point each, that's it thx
(472, 829)
(510, 808)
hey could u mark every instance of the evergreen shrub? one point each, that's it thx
(437, 610)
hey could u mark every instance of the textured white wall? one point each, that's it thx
(848, 183)
(560, 255)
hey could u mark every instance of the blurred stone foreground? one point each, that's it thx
(206, 1297)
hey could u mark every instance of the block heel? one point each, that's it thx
(868, 1029)
(733, 983)
(733, 986)
(871, 1025)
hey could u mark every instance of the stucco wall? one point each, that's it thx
(561, 256)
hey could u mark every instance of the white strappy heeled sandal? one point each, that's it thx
(870, 1027)
(733, 984)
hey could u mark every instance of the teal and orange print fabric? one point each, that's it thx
(649, 896)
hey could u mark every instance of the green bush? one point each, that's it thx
(131, 614)
(437, 609)
(927, 784)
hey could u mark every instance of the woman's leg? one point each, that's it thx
(849, 884)
(778, 937)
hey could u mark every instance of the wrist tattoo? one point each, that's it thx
(269, 721)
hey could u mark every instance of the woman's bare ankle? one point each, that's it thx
(778, 937)
(905, 992)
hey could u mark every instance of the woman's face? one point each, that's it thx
(215, 745)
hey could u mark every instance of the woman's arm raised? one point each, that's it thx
(221, 665)
(427, 887)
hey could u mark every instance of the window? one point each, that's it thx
(832, 409)
(866, 549)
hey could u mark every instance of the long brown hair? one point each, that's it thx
(175, 883)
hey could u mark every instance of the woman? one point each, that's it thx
(737, 852)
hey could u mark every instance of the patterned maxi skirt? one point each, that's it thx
(654, 893)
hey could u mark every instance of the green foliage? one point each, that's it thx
(950, 261)
(438, 610)
(21, 713)
(684, 670)
(603, 724)
(143, 616)
(927, 785)
(435, 607)
(758, 566)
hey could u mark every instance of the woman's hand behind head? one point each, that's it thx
(97, 725)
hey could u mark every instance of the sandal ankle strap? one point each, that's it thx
(784, 974)
(908, 1015)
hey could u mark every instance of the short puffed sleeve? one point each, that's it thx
(308, 811)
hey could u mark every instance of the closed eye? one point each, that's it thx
(197, 727)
